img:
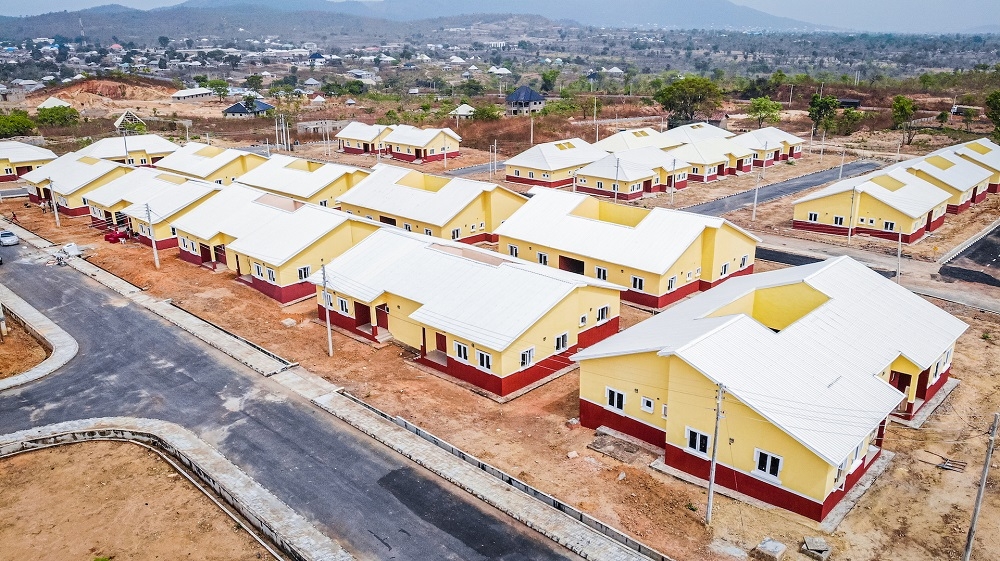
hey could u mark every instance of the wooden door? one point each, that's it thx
(382, 316)
(362, 314)
(441, 342)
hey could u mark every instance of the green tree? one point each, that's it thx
(903, 110)
(250, 102)
(201, 80)
(491, 112)
(16, 123)
(764, 109)
(848, 121)
(549, 78)
(471, 88)
(58, 116)
(968, 117)
(690, 96)
(942, 118)
(135, 128)
(992, 105)
(255, 82)
(823, 111)
(161, 64)
(219, 88)
(233, 60)
(164, 41)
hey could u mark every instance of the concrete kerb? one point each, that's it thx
(62, 345)
(287, 530)
(968, 243)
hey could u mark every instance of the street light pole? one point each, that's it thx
(152, 237)
(327, 304)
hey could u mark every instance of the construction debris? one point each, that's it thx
(816, 548)
(946, 463)
(768, 550)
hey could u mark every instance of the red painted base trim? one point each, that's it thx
(539, 182)
(842, 231)
(479, 238)
(993, 188)
(192, 258)
(99, 223)
(609, 194)
(283, 294)
(933, 389)
(705, 285)
(78, 211)
(979, 197)
(593, 416)
(342, 321)
(598, 333)
(12, 177)
(439, 157)
(506, 385)
(161, 244)
(34, 198)
(663, 300)
(797, 155)
(352, 150)
(703, 178)
(958, 209)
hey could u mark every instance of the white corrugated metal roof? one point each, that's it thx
(711, 151)
(385, 191)
(413, 136)
(290, 233)
(463, 110)
(914, 198)
(188, 161)
(767, 137)
(694, 132)
(17, 152)
(991, 158)
(360, 131)
(653, 245)
(114, 147)
(280, 175)
(169, 202)
(636, 138)
(817, 379)
(477, 295)
(232, 211)
(562, 154)
(654, 158)
(961, 175)
(191, 92)
(134, 187)
(613, 168)
(67, 174)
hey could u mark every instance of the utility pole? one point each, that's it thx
(715, 454)
(756, 189)
(531, 137)
(597, 128)
(55, 203)
(152, 237)
(822, 147)
(673, 182)
(850, 225)
(327, 303)
(843, 157)
(791, 90)
(982, 488)
(899, 257)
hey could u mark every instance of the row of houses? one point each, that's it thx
(19, 158)
(639, 162)
(401, 142)
(906, 200)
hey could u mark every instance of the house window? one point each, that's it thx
(130, 161)
(482, 225)
(689, 275)
(142, 161)
(696, 441)
(647, 404)
(304, 272)
(258, 270)
(427, 232)
(219, 181)
(697, 272)
(583, 320)
(695, 170)
(767, 464)
(600, 185)
(602, 313)
(512, 250)
(601, 273)
(184, 243)
(472, 228)
(543, 258)
(485, 360)
(531, 175)
(517, 173)
(461, 351)
(432, 151)
(562, 341)
(743, 261)
(85, 201)
(344, 306)
(8, 171)
(456, 233)
(616, 399)
(725, 269)
(327, 299)
(407, 227)
(663, 410)
(889, 226)
(838, 220)
(323, 203)
(173, 231)
(813, 217)
(270, 274)
(638, 283)
(671, 283)
(369, 217)
(614, 187)
(545, 176)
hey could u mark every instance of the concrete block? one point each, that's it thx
(768, 550)
(816, 548)
(289, 322)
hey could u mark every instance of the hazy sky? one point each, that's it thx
(920, 16)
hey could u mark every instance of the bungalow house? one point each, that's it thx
(487, 319)
(464, 111)
(524, 101)
(694, 132)
(886, 204)
(361, 138)
(240, 109)
(552, 164)
(985, 154)
(308, 181)
(966, 182)
(637, 138)
(52, 102)
(153, 219)
(660, 255)
(18, 158)
(191, 94)
(714, 158)
(205, 232)
(107, 202)
(632, 174)
(279, 259)
(771, 145)
(210, 163)
(807, 388)
(412, 144)
(445, 207)
(67, 180)
(133, 150)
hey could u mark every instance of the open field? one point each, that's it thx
(19, 351)
(114, 500)
(913, 508)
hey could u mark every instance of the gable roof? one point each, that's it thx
(817, 379)
(279, 175)
(413, 136)
(915, 198)
(616, 169)
(240, 108)
(524, 94)
(201, 160)
(989, 157)
(16, 152)
(463, 110)
(711, 151)
(191, 92)
(290, 233)
(114, 147)
(168, 202)
(962, 175)
(696, 131)
(360, 131)
(636, 138)
(653, 245)
(234, 211)
(70, 172)
(52, 102)
(653, 158)
(769, 137)
(385, 190)
(561, 154)
(134, 187)
(449, 279)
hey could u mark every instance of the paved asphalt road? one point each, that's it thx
(471, 170)
(377, 504)
(7, 192)
(770, 192)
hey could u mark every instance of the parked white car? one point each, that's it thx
(9, 238)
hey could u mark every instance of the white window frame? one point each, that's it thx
(428, 232)
(258, 270)
(484, 360)
(512, 250)
(583, 320)
(744, 261)
(527, 357)
(889, 226)
(663, 410)
(671, 283)
(8, 171)
(456, 233)
(543, 258)
(838, 220)
(757, 453)
(305, 272)
(601, 273)
(609, 401)
(562, 342)
(813, 217)
(688, 431)
(271, 275)
(638, 283)
(603, 313)
(407, 227)
(461, 351)
(343, 306)
(600, 185)
(531, 175)
(646, 404)
(725, 270)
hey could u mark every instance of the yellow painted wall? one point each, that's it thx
(958, 196)
(637, 376)
(75, 200)
(554, 175)
(776, 307)
(607, 184)
(725, 245)
(32, 164)
(226, 173)
(866, 207)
